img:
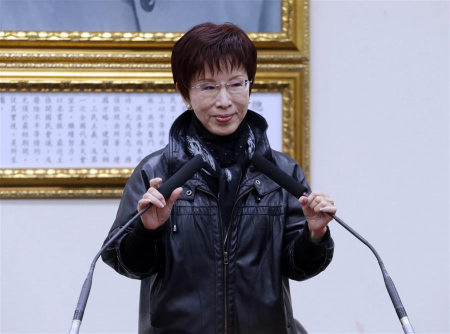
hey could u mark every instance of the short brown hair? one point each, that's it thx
(211, 45)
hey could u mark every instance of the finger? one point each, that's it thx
(147, 195)
(318, 207)
(143, 203)
(173, 197)
(150, 198)
(316, 201)
(328, 199)
(320, 197)
(313, 196)
(156, 194)
(155, 183)
(303, 201)
(329, 209)
(322, 203)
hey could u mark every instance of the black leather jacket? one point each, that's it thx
(203, 280)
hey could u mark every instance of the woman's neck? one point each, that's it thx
(210, 137)
(223, 148)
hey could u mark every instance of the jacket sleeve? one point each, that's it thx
(137, 253)
(301, 258)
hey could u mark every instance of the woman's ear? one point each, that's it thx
(186, 102)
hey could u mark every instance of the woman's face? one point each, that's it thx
(220, 112)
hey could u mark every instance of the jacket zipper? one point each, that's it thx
(225, 258)
(225, 250)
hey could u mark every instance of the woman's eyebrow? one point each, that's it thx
(213, 80)
(205, 79)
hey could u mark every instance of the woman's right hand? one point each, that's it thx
(159, 213)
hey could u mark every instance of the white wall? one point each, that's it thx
(379, 146)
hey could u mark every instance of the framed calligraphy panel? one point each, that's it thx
(85, 94)
(72, 137)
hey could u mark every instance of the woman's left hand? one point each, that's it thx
(315, 207)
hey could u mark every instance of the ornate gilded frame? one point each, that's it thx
(140, 62)
(30, 183)
(293, 36)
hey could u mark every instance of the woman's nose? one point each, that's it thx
(223, 98)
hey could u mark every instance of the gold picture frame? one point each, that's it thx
(292, 40)
(108, 183)
(113, 62)
(47, 49)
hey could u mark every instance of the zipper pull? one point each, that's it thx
(225, 258)
(175, 227)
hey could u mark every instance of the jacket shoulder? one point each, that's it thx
(284, 161)
(154, 164)
(289, 166)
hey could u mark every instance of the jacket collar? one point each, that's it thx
(177, 157)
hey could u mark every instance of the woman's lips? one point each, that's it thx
(223, 118)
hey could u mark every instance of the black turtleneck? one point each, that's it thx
(225, 149)
(230, 153)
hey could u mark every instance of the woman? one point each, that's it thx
(217, 255)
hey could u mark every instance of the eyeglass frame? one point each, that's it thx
(247, 84)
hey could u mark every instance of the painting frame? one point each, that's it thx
(291, 80)
(293, 37)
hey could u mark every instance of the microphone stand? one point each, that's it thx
(177, 180)
(297, 189)
(86, 289)
(395, 298)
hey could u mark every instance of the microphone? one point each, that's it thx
(276, 174)
(166, 189)
(297, 189)
(181, 176)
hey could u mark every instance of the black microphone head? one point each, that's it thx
(260, 162)
(181, 176)
(279, 176)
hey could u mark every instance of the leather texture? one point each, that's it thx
(191, 286)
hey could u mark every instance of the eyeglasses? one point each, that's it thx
(234, 86)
